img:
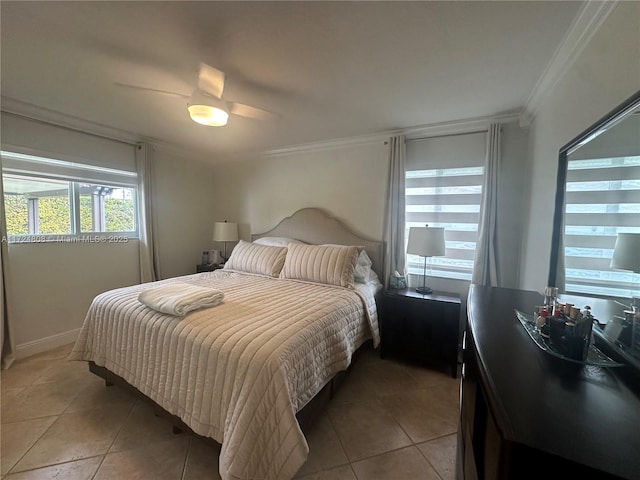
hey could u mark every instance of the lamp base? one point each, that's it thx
(424, 290)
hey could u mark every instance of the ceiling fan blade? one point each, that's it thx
(149, 89)
(211, 80)
(251, 112)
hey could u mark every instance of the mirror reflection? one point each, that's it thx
(602, 200)
(596, 250)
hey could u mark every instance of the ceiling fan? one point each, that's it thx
(206, 105)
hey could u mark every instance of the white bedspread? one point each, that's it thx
(238, 372)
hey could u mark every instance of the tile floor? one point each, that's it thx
(388, 421)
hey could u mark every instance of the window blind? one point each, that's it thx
(31, 165)
(42, 139)
(602, 200)
(444, 189)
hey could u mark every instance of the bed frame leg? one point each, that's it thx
(176, 430)
(107, 383)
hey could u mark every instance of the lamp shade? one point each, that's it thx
(207, 110)
(626, 253)
(225, 232)
(426, 241)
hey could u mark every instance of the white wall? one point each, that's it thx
(183, 198)
(348, 182)
(606, 73)
(52, 284)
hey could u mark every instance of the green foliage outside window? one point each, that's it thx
(15, 207)
(86, 223)
(119, 215)
(54, 214)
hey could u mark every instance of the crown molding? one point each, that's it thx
(587, 22)
(421, 131)
(459, 126)
(41, 114)
(328, 144)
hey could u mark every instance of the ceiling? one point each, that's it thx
(330, 69)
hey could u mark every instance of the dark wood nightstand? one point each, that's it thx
(422, 327)
(207, 268)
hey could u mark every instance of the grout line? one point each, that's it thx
(99, 466)
(20, 420)
(115, 437)
(129, 413)
(344, 451)
(34, 442)
(437, 438)
(355, 475)
(395, 420)
(186, 457)
(384, 453)
(10, 472)
(429, 461)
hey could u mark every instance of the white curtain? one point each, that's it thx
(394, 258)
(6, 332)
(149, 258)
(487, 269)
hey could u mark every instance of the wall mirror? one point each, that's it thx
(598, 198)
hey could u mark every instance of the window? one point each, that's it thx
(602, 200)
(444, 189)
(48, 197)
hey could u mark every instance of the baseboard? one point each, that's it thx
(48, 343)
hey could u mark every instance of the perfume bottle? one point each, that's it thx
(541, 322)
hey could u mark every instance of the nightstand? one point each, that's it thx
(207, 268)
(422, 327)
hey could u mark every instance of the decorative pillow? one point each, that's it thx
(276, 241)
(362, 270)
(252, 258)
(333, 265)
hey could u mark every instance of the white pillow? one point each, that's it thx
(332, 265)
(252, 258)
(276, 241)
(363, 272)
(373, 278)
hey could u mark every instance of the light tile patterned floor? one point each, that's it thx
(389, 421)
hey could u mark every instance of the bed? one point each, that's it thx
(299, 301)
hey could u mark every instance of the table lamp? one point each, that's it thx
(225, 232)
(426, 242)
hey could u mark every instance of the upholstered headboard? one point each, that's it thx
(314, 225)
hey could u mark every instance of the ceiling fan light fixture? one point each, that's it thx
(208, 115)
(207, 110)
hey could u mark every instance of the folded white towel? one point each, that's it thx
(180, 298)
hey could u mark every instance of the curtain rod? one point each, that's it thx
(484, 130)
(73, 129)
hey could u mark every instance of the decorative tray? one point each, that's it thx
(594, 357)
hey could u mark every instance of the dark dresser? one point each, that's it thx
(527, 414)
